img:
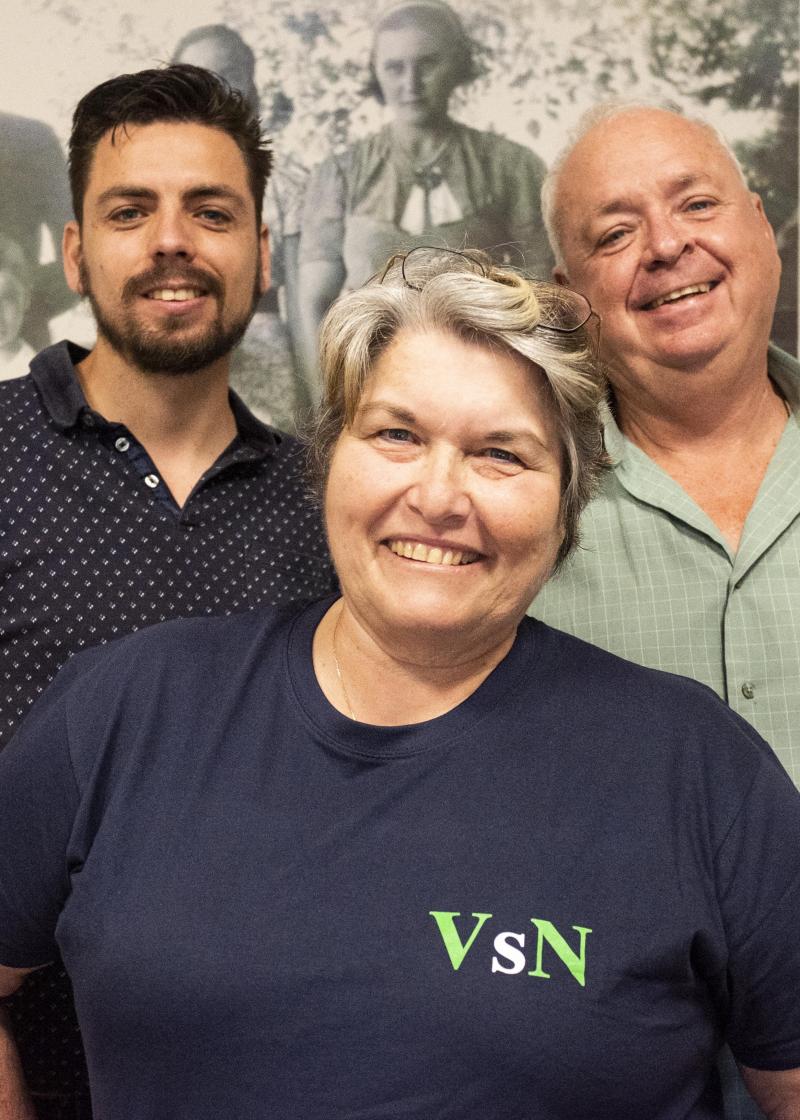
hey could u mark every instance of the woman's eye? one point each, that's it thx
(396, 435)
(501, 455)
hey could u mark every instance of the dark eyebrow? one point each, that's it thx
(194, 194)
(214, 190)
(124, 191)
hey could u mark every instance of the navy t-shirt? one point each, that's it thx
(554, 901)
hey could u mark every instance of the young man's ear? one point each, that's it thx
(71, 250)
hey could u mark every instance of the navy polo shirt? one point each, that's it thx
(93, 546)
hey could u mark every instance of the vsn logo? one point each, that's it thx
(509, 955)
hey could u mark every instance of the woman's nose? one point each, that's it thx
(412, 79)
(439, 493)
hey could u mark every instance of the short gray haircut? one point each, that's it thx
(597, 114)
(490, 306)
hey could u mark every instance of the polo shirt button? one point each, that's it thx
(88, 420)
(122, 444)
(151, 480)
(748, 690)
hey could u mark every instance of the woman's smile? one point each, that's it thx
(443, 502)
(440, 555)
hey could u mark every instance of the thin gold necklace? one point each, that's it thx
(339, 669)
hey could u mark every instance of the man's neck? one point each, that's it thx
(682, 410)
(184, 421)
(713, 432)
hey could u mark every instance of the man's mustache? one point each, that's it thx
(185, 275)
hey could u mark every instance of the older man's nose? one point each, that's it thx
(666, 241)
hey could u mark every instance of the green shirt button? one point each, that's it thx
(748, 690)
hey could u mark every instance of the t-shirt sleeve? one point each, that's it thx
(758, 884)
(38, 801)
(322, 226)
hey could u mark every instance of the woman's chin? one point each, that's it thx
(438, 623)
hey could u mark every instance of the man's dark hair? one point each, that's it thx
(179, 93)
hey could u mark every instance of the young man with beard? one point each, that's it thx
(134, 487)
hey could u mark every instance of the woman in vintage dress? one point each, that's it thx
(423, 178)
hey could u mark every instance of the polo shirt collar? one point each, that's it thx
(53, 373)
(648, 483)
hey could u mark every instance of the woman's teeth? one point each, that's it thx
(413, 550)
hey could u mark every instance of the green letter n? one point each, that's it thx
(452, 942)
(575, 963)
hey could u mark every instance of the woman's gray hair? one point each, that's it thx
(465, 294)
(597, 114)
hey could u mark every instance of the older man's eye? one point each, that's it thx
(697, 205)
(612, 237)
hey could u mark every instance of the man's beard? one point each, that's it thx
(163, 350)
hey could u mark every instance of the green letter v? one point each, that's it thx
(452, 942)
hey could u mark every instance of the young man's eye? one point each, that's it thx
(217, 217)
(127, 214)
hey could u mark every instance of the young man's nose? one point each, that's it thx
(172, 234)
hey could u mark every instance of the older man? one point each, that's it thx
(691, 553)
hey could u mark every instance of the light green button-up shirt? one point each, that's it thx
(655, 581)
